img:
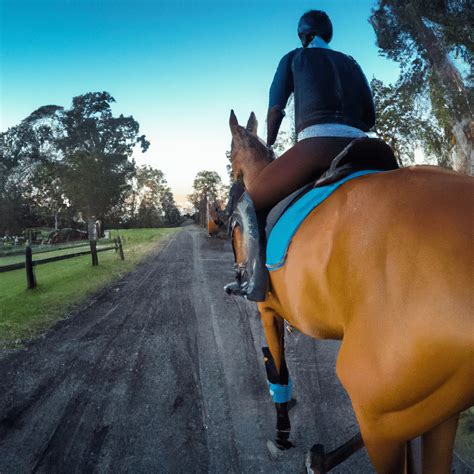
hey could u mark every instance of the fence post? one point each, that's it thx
(95, 258)
(119, 240)
(30, 274)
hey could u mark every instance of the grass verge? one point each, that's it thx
(25, 314)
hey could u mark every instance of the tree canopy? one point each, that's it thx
(287, 136)
(405, 127)
(75, 161)
(96, 148)
(432, 42)
(208, 184)
(149, 202)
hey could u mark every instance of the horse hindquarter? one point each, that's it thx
(385, 264)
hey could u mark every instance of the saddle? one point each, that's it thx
(360, 156)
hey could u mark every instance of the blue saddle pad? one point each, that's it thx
(286, 227)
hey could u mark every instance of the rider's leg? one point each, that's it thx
(298, 166)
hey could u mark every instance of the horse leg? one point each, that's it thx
(438, 445)
(320, 462)
(414, 456)
(277, 373)
(273, 327)
(388, 457)
(397, 457)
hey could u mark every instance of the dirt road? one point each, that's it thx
(163, 373)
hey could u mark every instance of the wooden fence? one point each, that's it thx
(29, 263)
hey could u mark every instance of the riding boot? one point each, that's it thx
(252, 275)
(258, 284)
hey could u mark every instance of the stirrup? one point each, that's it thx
(251, 276)
(238, 286)
(235, 288)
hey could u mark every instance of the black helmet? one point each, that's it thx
(314, 23)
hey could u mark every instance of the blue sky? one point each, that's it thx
(177, 66)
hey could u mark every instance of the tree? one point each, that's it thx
(26, 150)
(424, 36)
(228, 155)
(402, 123)
(47, 191)
(287, 136)
(33, 141)
(149, 201)
(157, 206)
(171, 214)
(79, 157)
(208, 184)
(97, 148)
(94, 182)
(12, 208)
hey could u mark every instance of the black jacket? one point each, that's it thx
(328, 86)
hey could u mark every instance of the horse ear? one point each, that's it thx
(252, 124)
(233, 122)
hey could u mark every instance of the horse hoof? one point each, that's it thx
(314, 461)
(275, 452)
(283, 444)
(235, 289)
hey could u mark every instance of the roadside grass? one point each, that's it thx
(25, 314)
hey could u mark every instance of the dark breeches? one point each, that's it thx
(298, 166)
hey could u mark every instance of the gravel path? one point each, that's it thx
(163, 373)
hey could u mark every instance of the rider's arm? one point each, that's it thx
(280, 91)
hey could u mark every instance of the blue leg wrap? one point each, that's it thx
(280, 393)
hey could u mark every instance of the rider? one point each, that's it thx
(333, 106)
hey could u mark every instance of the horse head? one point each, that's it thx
(249, 154)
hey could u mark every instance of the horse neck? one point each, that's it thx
(252, 167)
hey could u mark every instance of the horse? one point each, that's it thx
(215, 221)
(384, 265)
(212, 220)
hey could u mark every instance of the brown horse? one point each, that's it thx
(212, 220)
(385, 265)
(216, 225)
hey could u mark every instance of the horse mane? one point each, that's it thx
(254, 141)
